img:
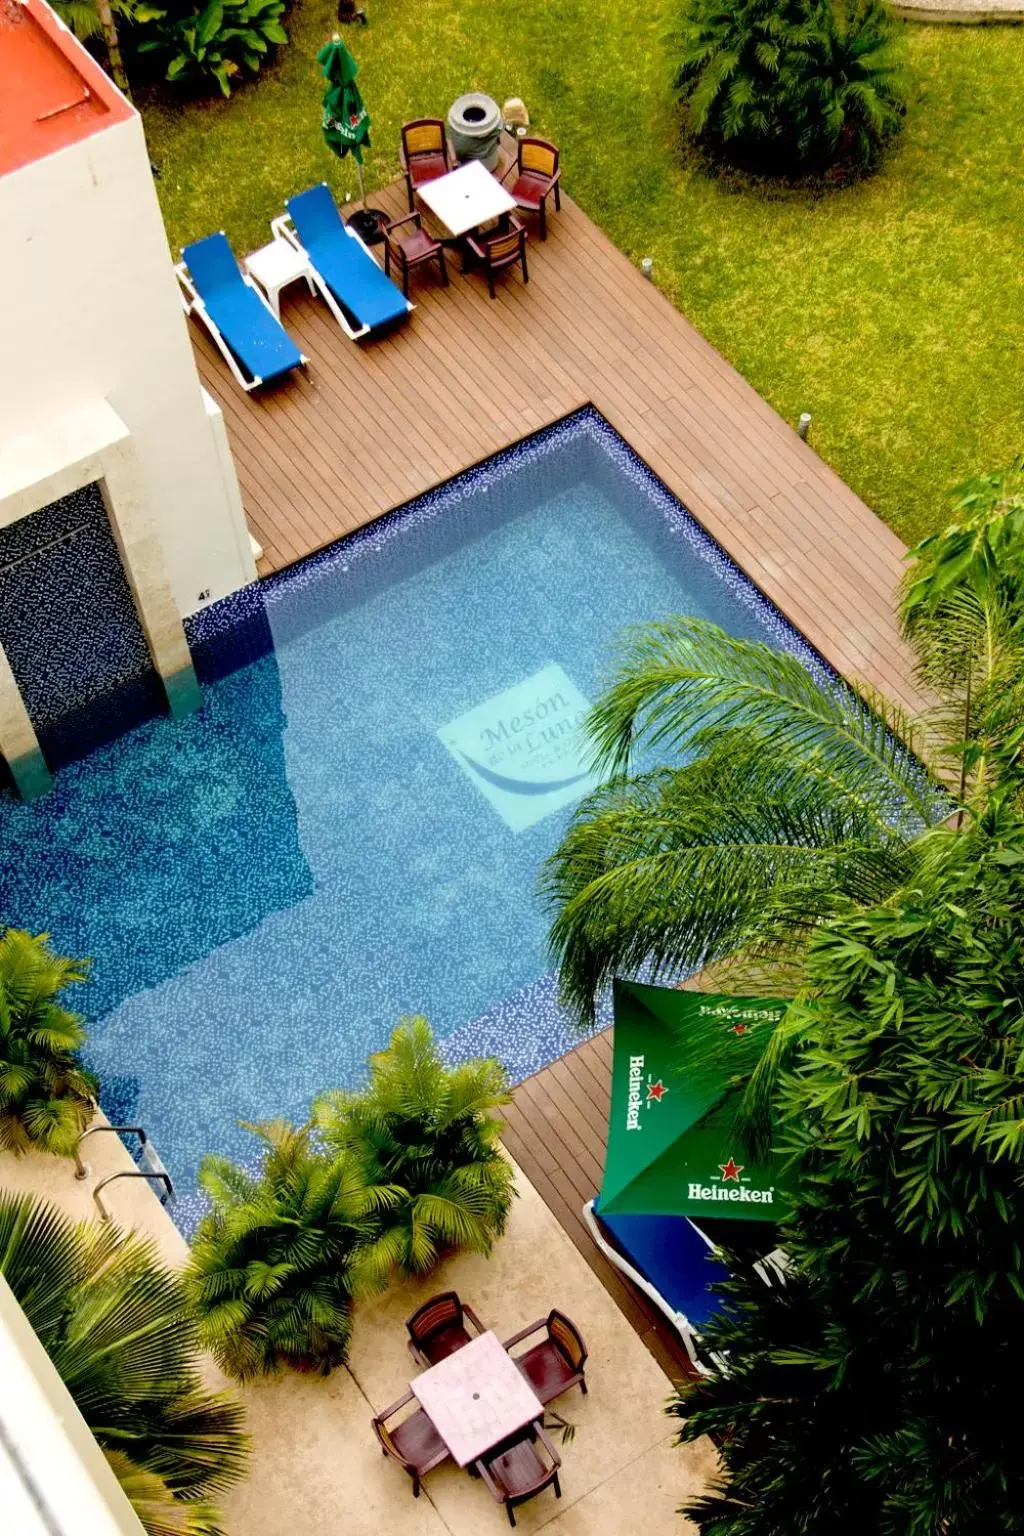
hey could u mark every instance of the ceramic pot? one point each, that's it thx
(474, 129)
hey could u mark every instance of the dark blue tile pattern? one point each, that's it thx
(69, 627)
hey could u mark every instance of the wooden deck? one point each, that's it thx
(556, 1128)
(365, 428)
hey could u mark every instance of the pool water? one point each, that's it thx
(353, 825)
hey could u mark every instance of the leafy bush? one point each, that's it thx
(215, 43)
(270, 1275)
(790, 87)
(115, 1322)
(46, 1098)
(877, 1389)
(426, 1142)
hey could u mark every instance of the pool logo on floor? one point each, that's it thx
(523, 748)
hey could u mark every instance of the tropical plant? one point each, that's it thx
(877, 1388)
(271, 1271)
(791, 86)
(46, 1097)
(89, 19)
(788, 794)
(214, 43)
(425, 1137)
(115, 1322)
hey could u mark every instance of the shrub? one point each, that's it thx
(115, 1322)
(877, 1389)
(213, 44)
(791, 87)
(46, 1098)
(270, 1272)
(426, 1142)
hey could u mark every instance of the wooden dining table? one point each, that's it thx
(476, 1398)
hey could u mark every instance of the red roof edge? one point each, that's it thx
(53, 91)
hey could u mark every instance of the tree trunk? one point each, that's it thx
(113, 47)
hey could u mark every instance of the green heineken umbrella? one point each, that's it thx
(673, 1148)
(346, 122)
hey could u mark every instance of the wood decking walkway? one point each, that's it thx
(367, 427)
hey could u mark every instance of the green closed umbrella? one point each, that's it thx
(346, 122)
(673, 1147)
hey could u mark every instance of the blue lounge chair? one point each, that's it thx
(254, 343)
(673, 1261)
(359, 296)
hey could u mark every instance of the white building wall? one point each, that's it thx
(89, 311)
(54, 1479)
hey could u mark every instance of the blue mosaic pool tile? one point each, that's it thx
(69, 628)
(348, 567)
(229, 634)
(525, 1031)
(251, 954)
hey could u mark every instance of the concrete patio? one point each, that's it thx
(316, 1468)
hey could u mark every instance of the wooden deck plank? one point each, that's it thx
(372, 426)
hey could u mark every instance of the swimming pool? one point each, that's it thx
(352, 826)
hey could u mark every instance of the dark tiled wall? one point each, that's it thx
(69, 627)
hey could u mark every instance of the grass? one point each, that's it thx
(892, 310)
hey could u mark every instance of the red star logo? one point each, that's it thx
(740, 1029)
(731, 1170)
(656, 1091)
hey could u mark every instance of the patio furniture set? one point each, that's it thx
(480, 1405)
(240, 306)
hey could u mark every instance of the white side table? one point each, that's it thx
(276, 265)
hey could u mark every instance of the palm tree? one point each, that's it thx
(791, 86)
(115, 1322)
(46, 1098)
(96, 18)
(270, 1276)
(426, 1140)
(786, 796)
(89, 19)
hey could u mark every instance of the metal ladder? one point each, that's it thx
(150, 1167)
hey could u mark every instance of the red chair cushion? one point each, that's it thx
(530, 188)
(547, 1370)
(426, 168)
(416, 1439)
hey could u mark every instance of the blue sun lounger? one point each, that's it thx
(254, 343)
(357, 293)
(674, 1262)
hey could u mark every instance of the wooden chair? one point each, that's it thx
(414, 1443)
(537, 176)
(515, 1471)
(424, 153)
(503, 248)
(438, 1328)
(556, 1363)
(411, 249)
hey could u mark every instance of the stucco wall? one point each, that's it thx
(89, 311)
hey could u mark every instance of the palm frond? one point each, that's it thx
(671, 870)
(114, 1322)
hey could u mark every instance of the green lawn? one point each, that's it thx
(893, 311)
